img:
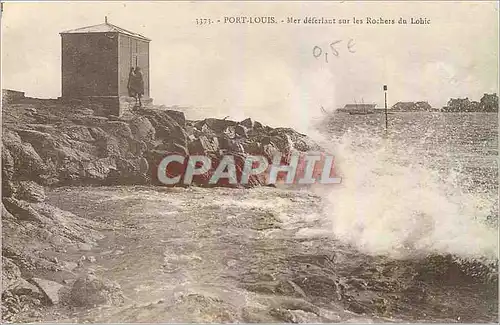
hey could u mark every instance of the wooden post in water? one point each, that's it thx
(385, 95)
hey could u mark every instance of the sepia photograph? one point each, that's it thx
(249, 162)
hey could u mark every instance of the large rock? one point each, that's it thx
(270, 151)
(177, 116)
(252, 147)
(27, 162)
(23, 287)
(118, 129)
(203, 146)
(217, 125)
(247, 123)
(90, 290)
(50, 289)
(97, 133)
(171, 147)
(166, 126)
(78, 133)
(286, 137)
(130, 171)
(22, 210)
(241, 131)
(142, 129)
(98, 170)
(229, 145)
(230, 132)
(6, 215)
(44, 143)
(31, 191)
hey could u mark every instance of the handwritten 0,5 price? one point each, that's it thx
(335, 48)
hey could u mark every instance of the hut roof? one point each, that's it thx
(104, 28)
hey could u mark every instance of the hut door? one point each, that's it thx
(134, 53)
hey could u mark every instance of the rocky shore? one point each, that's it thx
(47, 143)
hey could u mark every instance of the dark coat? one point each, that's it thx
(135, 84)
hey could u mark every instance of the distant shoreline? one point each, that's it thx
(382, 111)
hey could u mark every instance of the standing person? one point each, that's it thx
(131, 76)
(137, 84)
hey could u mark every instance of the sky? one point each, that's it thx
(244, 70)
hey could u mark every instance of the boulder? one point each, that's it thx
(23, 287)
(49, 288)
(166, 127)
(230, 145)
(31, 191)
(115, 147)
(241, 131)
(118, 129)
(270, 151)
(216, 125)
(99, 169)
(286, 137)
(252, 147)
(247, 123)
(178, 116)
(27, 162)
(130, 171)
(282, 143)
(44, 143)
(207, 131)
(6, 215)
(97, 133)
(90, 290)
(171, 147)
(78, 133)
(22, 210)
(230, 132)
(69, 266)
(142, 128)
(203, 145)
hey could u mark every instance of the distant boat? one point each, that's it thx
(359, 109)
(361, 113)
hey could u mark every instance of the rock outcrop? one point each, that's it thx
(91, 291)
(68, 146)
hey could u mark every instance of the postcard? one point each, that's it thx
(250, 162)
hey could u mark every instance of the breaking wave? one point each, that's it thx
(391, 202)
